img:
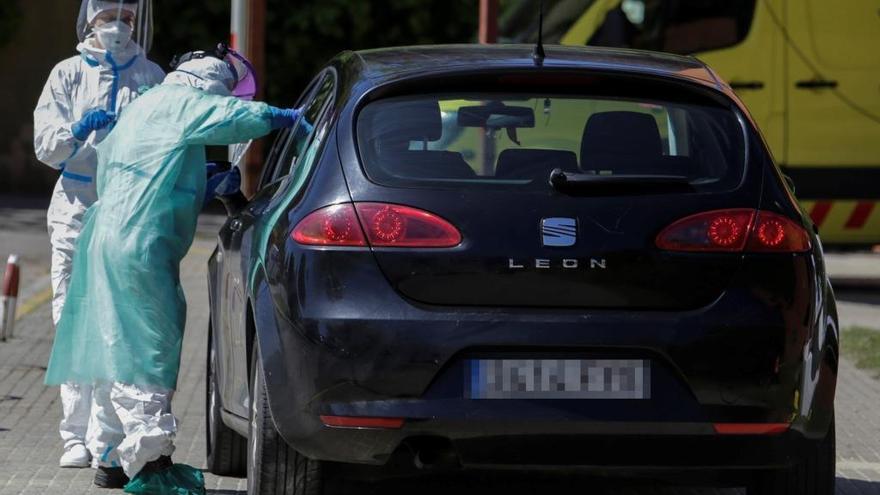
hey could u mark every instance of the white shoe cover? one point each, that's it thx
(76, 456)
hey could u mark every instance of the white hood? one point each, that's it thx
(96, 7)
(208, 74)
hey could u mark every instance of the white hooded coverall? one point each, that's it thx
(92, 79)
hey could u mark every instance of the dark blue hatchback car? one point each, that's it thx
(464, 259)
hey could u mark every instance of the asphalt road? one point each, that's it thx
(29, 411)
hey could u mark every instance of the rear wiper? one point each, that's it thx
(609, 184)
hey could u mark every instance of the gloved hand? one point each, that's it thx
(214, 168)
(306, 126)
(221, 183)
(284, 117)
(92, 120)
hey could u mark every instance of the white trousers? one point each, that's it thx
(75, 408)
(64, 220)
(132, 425)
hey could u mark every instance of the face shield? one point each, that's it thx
(138, 14)
(244, 83)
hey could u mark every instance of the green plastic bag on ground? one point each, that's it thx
(179, 479)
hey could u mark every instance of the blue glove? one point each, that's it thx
(284, 117)
(92, 120)
(221, 183)
(211, 169)
(230, 184)
(307, 127)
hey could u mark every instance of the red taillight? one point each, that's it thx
(362, 422)
(335, 225)
(751, 428)
(390, 225)
(722, 230)
(727, 230)
(734, 230)
(775, 233)
(385, 225)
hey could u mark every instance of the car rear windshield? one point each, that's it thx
(515, 140)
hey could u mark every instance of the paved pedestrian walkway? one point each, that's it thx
(29, 414)
(854, 270)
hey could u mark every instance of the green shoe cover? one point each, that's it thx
(179, 479)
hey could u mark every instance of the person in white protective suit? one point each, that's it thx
(76, 110)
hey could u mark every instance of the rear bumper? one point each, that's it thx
(576, 450)
(362, 350)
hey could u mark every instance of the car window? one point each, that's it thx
(514, 140)
(279, 140)
(676, 27)
(310, 155)
(283, 136)
(303, 133)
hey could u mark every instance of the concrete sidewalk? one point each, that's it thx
(30, 411)
(858, 270)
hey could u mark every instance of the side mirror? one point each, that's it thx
(234, 203)
(789, 182)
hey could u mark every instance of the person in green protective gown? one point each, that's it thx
(122, 327)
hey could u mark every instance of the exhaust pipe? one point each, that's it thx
(424, 460)
(434, 454)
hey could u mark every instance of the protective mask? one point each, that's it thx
(114, 36)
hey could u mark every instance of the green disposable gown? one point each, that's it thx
(124, 317)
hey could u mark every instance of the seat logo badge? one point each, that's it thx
(559, 232)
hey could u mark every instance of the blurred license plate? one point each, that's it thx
(558, 379)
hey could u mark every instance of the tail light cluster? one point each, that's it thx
(375, 224)
(735, 230)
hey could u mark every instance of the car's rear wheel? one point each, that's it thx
(227, 450)
(814, 475)
(275, 468)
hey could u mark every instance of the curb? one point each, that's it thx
(855, 283)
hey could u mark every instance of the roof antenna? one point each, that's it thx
(538, 54)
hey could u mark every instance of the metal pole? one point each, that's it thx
(257, 41)
(248, 28)
(488, 21)
(238, 37)
(238, 41)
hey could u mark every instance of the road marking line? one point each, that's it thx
(198, 250)
(34, 302)
(849, 464)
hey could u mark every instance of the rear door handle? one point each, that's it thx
(816, 84)
(754, 85)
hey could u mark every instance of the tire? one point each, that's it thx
(273, 467)
(227, 454)
(814, 475)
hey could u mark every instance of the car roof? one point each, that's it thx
(386, 64)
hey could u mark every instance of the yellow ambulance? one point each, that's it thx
(809, 71)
